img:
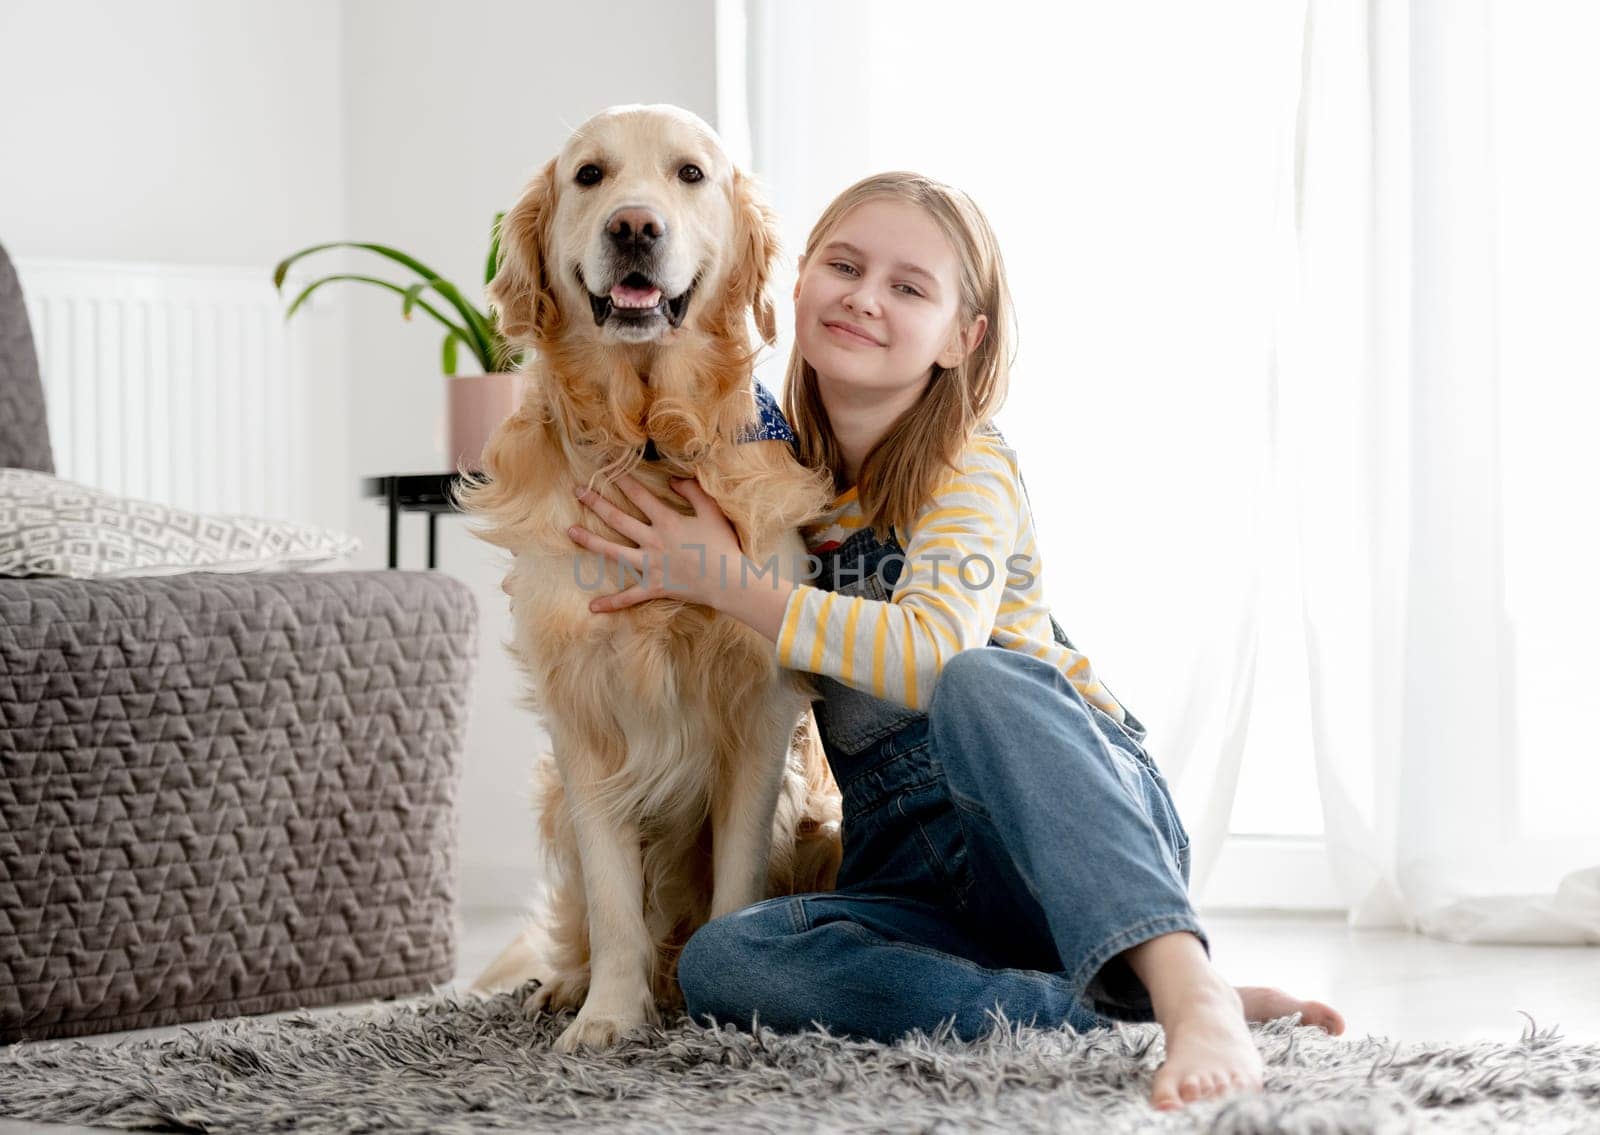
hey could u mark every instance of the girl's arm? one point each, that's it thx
(895, 649)
(760, 605)
(945, 601)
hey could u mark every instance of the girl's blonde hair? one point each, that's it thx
(903, 471)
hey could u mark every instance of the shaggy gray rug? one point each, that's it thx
(453, 1063)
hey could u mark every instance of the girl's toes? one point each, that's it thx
(1163, 1091)
(1323, 1017)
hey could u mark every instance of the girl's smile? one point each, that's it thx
(851, 334)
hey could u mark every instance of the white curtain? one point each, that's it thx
(1434, 415)
(1303, 352)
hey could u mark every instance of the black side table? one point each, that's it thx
(413, 492)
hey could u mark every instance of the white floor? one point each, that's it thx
(1388, 984)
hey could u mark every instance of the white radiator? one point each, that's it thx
(181, 384)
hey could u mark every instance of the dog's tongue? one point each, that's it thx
(624, 296)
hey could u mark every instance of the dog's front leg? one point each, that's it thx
(621, 954)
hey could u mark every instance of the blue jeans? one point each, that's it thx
(1000, 850)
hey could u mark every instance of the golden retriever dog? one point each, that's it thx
(686, 779)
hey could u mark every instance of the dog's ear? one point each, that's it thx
(755, 229)
(521, 291)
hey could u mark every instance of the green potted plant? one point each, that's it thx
(474, 403)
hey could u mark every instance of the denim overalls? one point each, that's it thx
(1000, 849)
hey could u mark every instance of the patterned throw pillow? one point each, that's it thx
(59, 528)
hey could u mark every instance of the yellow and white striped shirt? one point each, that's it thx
(971, 570)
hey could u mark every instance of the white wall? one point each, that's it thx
(237, 131)
(169, 130)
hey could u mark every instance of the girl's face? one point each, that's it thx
(876, 304)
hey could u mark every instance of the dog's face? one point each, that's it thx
(640, 226)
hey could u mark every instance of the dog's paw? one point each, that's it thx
(557, 994)
(599, 1029)
(595, 1032)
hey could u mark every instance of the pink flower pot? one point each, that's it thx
(475, 405)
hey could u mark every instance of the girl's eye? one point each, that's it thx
(690, 174)
(841, 266)
(589, 174)
(909, 290)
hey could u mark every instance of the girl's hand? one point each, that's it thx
(690, 558)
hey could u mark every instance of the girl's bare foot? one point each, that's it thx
(1210, 1052)
(1263, 1003)
(1198, 1046)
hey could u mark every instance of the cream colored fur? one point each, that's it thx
(685, 779)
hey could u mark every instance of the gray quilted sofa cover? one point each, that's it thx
(219, 794)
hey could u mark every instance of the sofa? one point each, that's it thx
(220, 793)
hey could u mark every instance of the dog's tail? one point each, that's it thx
(523, 959)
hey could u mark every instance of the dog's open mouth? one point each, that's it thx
(637, 299)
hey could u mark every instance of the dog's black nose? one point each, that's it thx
(636, 229)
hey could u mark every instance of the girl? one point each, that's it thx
(1008, 841)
